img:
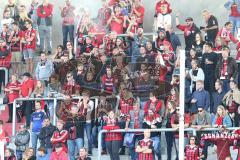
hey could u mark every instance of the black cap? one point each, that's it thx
(27, 74)
(189, 19)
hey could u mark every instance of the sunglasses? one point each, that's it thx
(178, 109)
(200, 110)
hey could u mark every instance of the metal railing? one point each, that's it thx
(193, 130)
(54, 107)
(6, 74)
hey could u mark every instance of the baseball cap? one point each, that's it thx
(189, 19)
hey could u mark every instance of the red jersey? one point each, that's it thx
(70, 89)
(163, 8)
(108, 83)
(145, 143)
(62, 155)
(141, 10)
(60, 137)
(12, 95)
(126, 105)
(26, 86)
(30, 34)
(234, 11)
(155, 105)
(5, 61)
(117, 27)
(111, 125)
(103, 15)
(227, 36)
(191, 152)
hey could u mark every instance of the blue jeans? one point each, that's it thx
(169, 139)
(34, 138)
(72, 144)
(45, 33)
(67, 30)
(156, 145)
(236, 24)
(19, 154)
(88, 130)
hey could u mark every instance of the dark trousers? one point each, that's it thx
(113, 149)
(67, 30)
(169, 139)
(2, 79)
(10, 111)
(27, 108)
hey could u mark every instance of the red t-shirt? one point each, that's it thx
(26, 86)
(140, 9)
(12, 95)
(160, 7)
(117, 27)
(29, 34)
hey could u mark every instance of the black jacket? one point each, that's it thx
(232, 68)
(45, 136)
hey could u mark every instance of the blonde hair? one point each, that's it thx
(223, 110)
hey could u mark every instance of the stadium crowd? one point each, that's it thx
(124, 78)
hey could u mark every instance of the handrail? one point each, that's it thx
(54, 106)
(193, 130)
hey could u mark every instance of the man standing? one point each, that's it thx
(211, 28)
(67, 14)
(44, 69)
(209, 61)
(21, 141)
(27, 88)
(37, 118)
(217, 97)
(44, 21)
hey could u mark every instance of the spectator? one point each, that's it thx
(29, 154)
(13, 9)
(83, 154)
(162, 14)
(14, 40)
(60, 135)
(75, 127)
(153, 103)
(9, 154)
(190, 30)
(39, 90)
(67, 13)
(226, 33)
(153, 121)
(200, 98)
(175, 41)
(44, 69)
(202, 119)
(219, 43)
(104, 13)
(5, 60)
(89, 105)
(113, 140)
(196, 74)
(170, 111)
(7, 20)
(29, 42)
(192, 151)
(135, 121)
(46, 134)
(12, 90)
(59, 53)
(23, 17)
(198, 44)
(115, 22)
(231, 100)
(59, 153)
(138, 10)
(233, 7)
(37, 119)
(22, 140)
(70, 87)
(42, 155)
(5, 33)
(27, 87)
(144, 147)
(33, 14)
(108, 82)
(192, 56)
(222, 119)
(217, 97)
(211, 28)
(209, 61)
(226, 68)
(44, 21)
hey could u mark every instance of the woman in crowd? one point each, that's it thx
(113, 140)
(222, 119)
(9, 154)
(192, 150)
(198, 44)
(12, 90)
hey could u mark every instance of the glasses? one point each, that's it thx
(177, 109)
(200, 110)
